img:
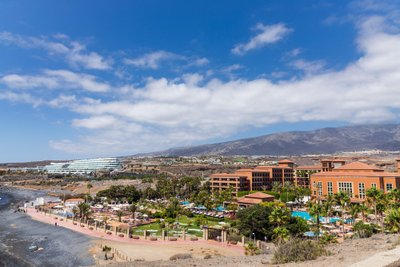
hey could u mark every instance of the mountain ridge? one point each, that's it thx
(320, 141)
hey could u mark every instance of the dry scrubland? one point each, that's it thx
(379, 250)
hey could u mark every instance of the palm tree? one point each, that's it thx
(75, 211)
(132, 209)
(354, 210)
(375, 196)
(89, 186)
(279, 216)
(281, 234)
(315, 210)
(120, 214)
(394, 195)
(363, 209)
(343, 200)
(84, 211)
(327, 207)
(392, 220)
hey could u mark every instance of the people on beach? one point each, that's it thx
(55, 224)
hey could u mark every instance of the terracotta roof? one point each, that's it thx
(258, 195)
(285, 161)
(253, 201)
(356, 173)
(234, 175)
(358, 166)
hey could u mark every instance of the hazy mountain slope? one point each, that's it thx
(326, 140)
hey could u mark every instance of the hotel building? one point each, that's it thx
(254, 179)
(354, 178)
(84, 166)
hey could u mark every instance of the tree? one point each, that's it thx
(354, 210)
(392, 220)
(84, 211)
(255, 220)
(315, 210)
(280, 235)
(364, 210)
(327, 207)
(343, 200)
(375, 196)
(75, 211)
(279, 216)
(173, 209)
(132, 209)
(89, 186)
(119, 215)
(394, 196)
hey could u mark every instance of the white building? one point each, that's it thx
(84, 166)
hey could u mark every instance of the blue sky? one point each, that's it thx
(90, 78)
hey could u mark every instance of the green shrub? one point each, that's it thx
(328, 238)
(363, 230)
(296, 250)
(251, 249)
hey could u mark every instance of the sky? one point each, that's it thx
(81, 79)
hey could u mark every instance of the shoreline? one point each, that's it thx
(159, 250)
(60, 247)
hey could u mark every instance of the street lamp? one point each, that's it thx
(254, 235)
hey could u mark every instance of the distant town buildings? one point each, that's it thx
(84, 166)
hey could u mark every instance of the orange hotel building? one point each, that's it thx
(354, 178)
(254, 179)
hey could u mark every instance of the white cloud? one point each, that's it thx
(152, 60)
(267, 34)
(182, 111)
(21, 98)
(308, 66)
(74, 52)
(52, 79)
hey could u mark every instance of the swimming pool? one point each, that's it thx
(306, 216)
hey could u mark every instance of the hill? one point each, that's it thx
(321, 141)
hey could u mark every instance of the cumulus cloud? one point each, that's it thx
(74, 52)
(266, 34)
(182, 111)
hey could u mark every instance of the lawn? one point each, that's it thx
(154, 228)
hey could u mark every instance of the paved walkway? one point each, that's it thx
(380, 259)
(39, 216)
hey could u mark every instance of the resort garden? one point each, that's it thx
(176, 208)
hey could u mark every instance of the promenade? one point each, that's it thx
(143, 248)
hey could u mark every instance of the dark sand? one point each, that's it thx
(61, 247)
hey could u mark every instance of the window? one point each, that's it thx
(319, 188)
(346, 187)
(389, 187)
(330, 189)
(373, 186)
(361, 190)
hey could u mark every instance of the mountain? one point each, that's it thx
(321, 141)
